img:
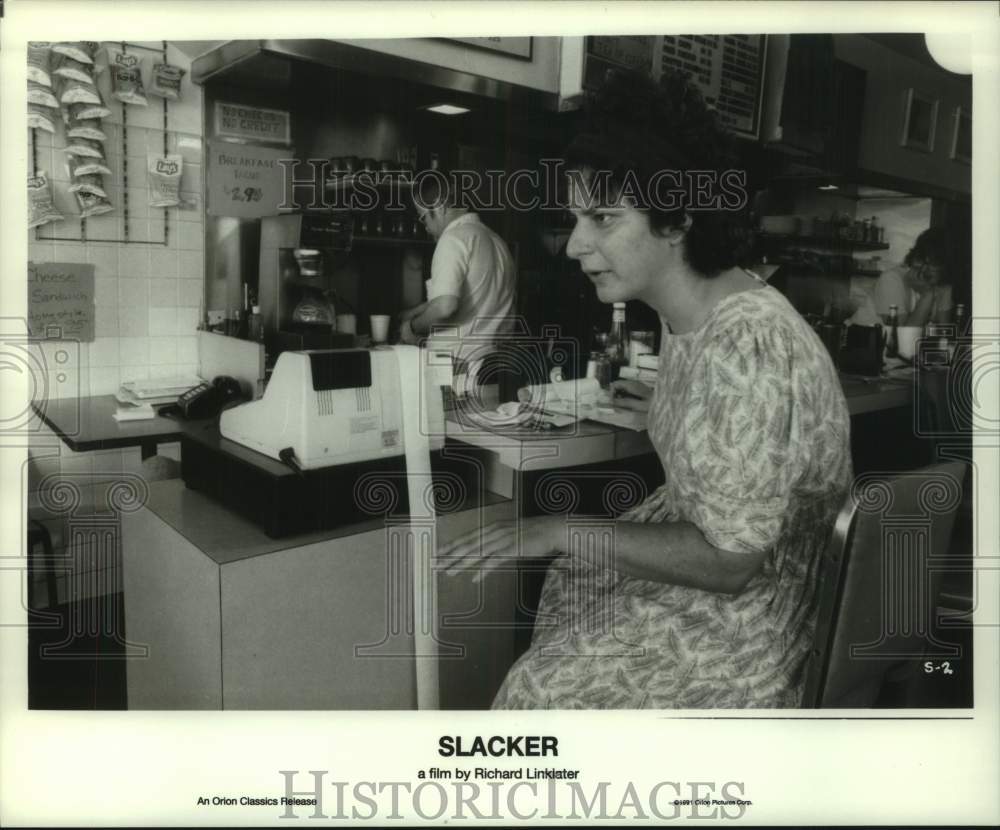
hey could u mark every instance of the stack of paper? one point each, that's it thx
(130, 412)
(156, 390)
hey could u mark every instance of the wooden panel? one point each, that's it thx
(475, 629)
(240, 359)
(172, 607)
(292, 619)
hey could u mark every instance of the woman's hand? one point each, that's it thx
(486, 548)
(632, 394)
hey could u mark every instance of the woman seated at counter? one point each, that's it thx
(709, 598)
(920, 288)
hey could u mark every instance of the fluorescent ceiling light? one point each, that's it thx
(828, 187)
(447, 109)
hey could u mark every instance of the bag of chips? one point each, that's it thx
(79, 50)
(67, 67)
(41, 95)
(166, 81)
(86, 165)
(73, 91)
(92, 205)
(91, 183)
(165, 180)
(80, 111)
(86, 128)
(39, 55)
(40, 118)
(41, 209)
(126, 77)
(85, 147)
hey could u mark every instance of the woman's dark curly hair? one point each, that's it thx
(947, 248)
(633, 128)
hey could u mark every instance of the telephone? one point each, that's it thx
(206, 400)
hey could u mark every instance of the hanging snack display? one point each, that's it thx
(165, 180)
(166, 81)
(80, 50)
(67, 67)
(91, 183)
(92, 204)
(41, 208)
(41, 95)
(79, 111)
(75, 91)
(84, 166)
(40, 117)
(126, 77)
(39, 54)
(85, 147)
(86, 128)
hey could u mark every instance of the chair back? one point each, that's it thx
(879, 583)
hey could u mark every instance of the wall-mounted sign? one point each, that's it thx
(517, 47)
(252, 123)
(244, 181)
(61, 301)
(729, 71)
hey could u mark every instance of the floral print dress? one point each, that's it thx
(751, 426)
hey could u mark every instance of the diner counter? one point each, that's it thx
(590, 442)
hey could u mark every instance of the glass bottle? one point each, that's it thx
(617, 349)
(961, 320)
(892, 344)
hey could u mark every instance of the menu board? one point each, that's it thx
(61, 301)
(729, 71)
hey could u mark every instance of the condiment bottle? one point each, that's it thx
(892, 344)
(961, 320)
(617, 350)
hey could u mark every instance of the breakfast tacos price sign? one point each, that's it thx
(244, 181)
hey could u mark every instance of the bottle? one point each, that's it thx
(961, 320)
(617, 350)
(892, 344)
(256, 328)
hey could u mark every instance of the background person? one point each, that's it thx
(472, 289)
(920, 288)
(710, 596)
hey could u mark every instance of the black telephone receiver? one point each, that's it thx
(206, 400)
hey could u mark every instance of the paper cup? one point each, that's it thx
(380, 327)
(908, 337)
(347, 324)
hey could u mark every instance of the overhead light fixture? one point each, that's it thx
(828, 187)
(447, 109)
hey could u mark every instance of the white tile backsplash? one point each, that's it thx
(162, 322)
(162, 350)
(163, 263)
(163, 293)
(133, 293)
(147, 296)
(191, 265)
(134, 351)
(133, 262)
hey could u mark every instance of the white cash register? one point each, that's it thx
(337, 406)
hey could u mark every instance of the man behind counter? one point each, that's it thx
(472, 286)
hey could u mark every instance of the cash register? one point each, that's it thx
(329, 420)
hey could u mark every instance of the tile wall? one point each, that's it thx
(147, 296)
